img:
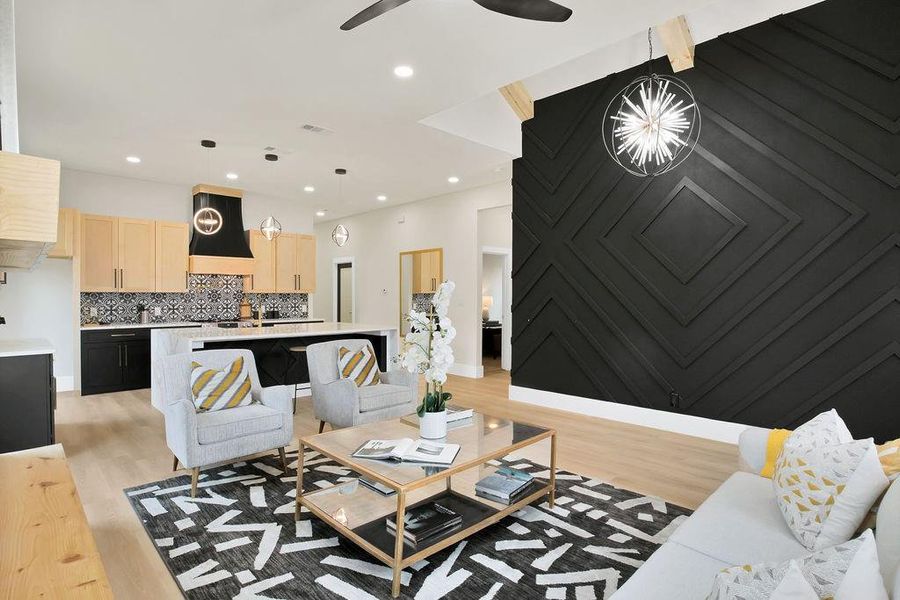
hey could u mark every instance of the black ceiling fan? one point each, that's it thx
(534, 10)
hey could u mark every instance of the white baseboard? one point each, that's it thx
(712, 429)
(471, 371)
(65, 383)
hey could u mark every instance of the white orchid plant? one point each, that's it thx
(427, 348)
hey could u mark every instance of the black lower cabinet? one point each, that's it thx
(115, 360)
(27, 402)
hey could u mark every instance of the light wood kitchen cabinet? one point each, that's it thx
(29, 205)
(286, 249)
(428, 270)
(306, 263)
(263, 277)
(99, 253)
(65, 234)
(137, 255)
(172, 241)
(117, 254)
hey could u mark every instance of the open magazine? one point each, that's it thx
(407, 450)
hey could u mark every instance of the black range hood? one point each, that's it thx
(225, 252)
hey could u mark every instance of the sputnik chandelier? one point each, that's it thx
(653, 124)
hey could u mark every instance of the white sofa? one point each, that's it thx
(740, 524)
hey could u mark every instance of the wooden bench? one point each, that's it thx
(46, 546)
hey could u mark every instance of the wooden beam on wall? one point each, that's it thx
(679, 43)
(516, 94)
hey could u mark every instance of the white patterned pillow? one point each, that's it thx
(848, 571)
(825, 492)
(825, 429)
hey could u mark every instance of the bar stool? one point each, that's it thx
(299, 353)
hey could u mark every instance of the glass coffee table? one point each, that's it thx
(358, 512)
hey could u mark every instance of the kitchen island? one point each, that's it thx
(276, 349)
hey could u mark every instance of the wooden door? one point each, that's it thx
(99, 253)
(172, 240)
(436, 267)
(65, 234)
(137, 255)
(286, 250)
(306, 263)
(263, 277)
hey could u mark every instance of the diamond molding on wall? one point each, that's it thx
(758, 281)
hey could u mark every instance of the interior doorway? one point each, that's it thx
(496, 309)
(344, 309)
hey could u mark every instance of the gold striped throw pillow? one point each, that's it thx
(360, 366)
(217, 390)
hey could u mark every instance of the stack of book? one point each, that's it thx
(506, 486)
(425, 523)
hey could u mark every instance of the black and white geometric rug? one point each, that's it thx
(238, 539)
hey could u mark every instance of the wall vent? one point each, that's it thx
(316, 129)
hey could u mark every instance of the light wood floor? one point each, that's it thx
(115, 441)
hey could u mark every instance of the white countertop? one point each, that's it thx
(215, 334)
(180, 324)
(25, 347)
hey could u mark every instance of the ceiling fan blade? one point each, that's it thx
(535, 10)
(377, 9)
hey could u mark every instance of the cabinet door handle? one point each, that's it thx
(122, 335)
(122, 278)
(120, 356)
(116, 278)
(126, 356)
(187, 280)
(252, 283)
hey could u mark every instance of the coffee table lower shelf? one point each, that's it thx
(374, 538)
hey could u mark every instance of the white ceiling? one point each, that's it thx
(102, 79)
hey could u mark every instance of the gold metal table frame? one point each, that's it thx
(350, 507)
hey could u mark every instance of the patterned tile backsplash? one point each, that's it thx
(422, 302)
(209, 298)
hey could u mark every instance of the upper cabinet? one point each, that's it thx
(65, 234)
(99, 253)
(428, 270)
(119, 254)
(285, 265)
(137, 255)
(262, 280)
(172, 241)
(306, 263)
(286, 246)
(29, 205)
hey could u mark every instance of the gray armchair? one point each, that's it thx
(200, 439)
(340, 403)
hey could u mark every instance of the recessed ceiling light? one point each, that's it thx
(320, 213)
(231, 175)
(309, 189)
(382, 198)
(453, 179)
(133, 159)
(403, 71)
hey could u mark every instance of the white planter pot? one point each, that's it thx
(433, 426)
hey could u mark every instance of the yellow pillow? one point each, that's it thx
(889, 455)
(777, 437)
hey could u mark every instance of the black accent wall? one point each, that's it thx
(759, 282)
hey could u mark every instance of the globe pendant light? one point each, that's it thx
(340, 235)
(208, 220)
(653, 124)
(270, 228)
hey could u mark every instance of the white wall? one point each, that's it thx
(492, 283)
(9, 118)
(39, 303)
(376, 240)
(495, 227)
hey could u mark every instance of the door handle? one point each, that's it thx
(122, 335)
(122, 277)
(126, 356)
(116, 278)
(187, 280)
(252, 282)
